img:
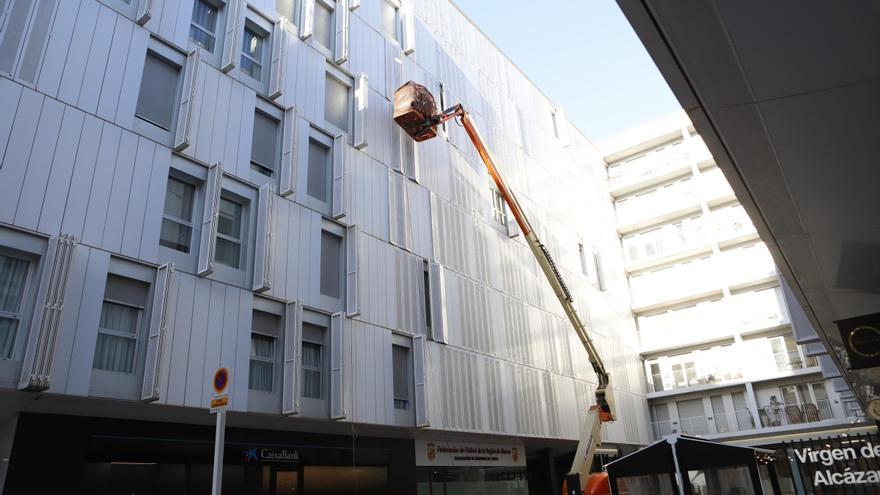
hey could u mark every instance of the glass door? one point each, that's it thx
(720, 415)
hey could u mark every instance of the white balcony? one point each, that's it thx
(755, 310)
(715, 424)
(732, 222)
(675, 282)
(668, 240)
(781, 414)
(746, 264)
(658, 204)
(655, 165)
(713, 186)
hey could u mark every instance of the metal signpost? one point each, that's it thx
(219, 401)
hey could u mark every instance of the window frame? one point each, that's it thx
(325, 208)
(195, 175)
(243, 193)
(271, 111)
(180, 221)
(263, 26)
(333, 304)
(177, 58)
(327, 51)
(271, 360)
(229, 238)
(394, 4)
(499, 209)
(213, 58)
(116, 333)
(346, 80)
(20, 315)
(403, 416)
(309, 406)
(260, 400)
(114, 384)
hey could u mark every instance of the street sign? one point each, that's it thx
(219, 392)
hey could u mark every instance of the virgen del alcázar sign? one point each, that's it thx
(852, 462)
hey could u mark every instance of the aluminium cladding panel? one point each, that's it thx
(169, 19)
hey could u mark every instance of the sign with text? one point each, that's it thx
(446, 453)
(219, 390)
(850, 463)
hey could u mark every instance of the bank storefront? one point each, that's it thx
(447, 467)
(108, 456)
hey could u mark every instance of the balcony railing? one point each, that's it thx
(705, 425)
(653, 164)
(661, 382)
(780, 414)
(665, 241)
(794, 360)
(674, 282)
(747, 264)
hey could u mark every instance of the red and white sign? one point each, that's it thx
(219, 389)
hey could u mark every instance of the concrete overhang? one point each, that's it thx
(787, 97)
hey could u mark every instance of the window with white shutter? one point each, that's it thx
(337, 101)
(339, 154)
(207, 244)
(437, 284)
(155, 337)
(352, 288)
(37, 366)
(264, 242)
(294, 149)
(407, 15)
(183, 129)
(290, 403)
(420, 381)
(279, 56)
(323, 25)
(340, 43)
(390, 19)
(361, 104)
(232, 33)
(206, 28)
(338, 387)
(398, 210)
(307, 19)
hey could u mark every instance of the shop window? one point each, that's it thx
(264, 351)
(13, 280)
(337, 101)
(177, 217)
(229, 233)
(122, 317)
(331, 265)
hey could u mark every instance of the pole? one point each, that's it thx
(219, 440)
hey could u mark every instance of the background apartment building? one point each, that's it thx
(189, 184)
(728, 353)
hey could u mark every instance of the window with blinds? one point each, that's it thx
(158, 89)
(400, 367)
(264, 351)
(13, 277)
(177, 216)
(122, 315)
(264, 144)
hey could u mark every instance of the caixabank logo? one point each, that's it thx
(265, 454)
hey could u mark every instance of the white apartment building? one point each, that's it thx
(194, 184)
(728, 353)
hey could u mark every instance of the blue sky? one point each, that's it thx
(584, 55)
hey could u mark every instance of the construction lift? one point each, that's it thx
(416, 112)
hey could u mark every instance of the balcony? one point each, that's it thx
(732, 222)
(747, 264)
(698, 151)
(716, 424)
(684, 326)
(714, 187)
(793, 360)
(675, 282)
(662, 242)
(658, 204)
(781, 414)
(758, 309)
(652, 166)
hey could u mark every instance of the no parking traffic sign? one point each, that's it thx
(220, 386)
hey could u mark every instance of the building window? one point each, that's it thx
(426, 280)
(229, 233)
(177, 217)
(287, 9)
(312, 363)
(13, 276)
(252, 53)
(203, 28)
(336, 103)
(323, 29)
(600, 274)
(121, 318)
(331, 265)
(583, 256)
(158, 88)
(262, 364)
(499, 211)
(400, 365)
(389, 20)
(319, 173)
(264, 144)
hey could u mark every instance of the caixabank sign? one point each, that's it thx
(844, 464)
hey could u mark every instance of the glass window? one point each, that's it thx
(13, 276)
(264, 144)
(118, 328)
(318, 180)
(252, 54)
(499, 212)
(331, 264)
(203, 29)
(389, 20)
(336, 103)
(229, 234)
(312, 365)
(400, 365)
(158, 87)
(262, 364)
(177, 216)
(323, 30)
